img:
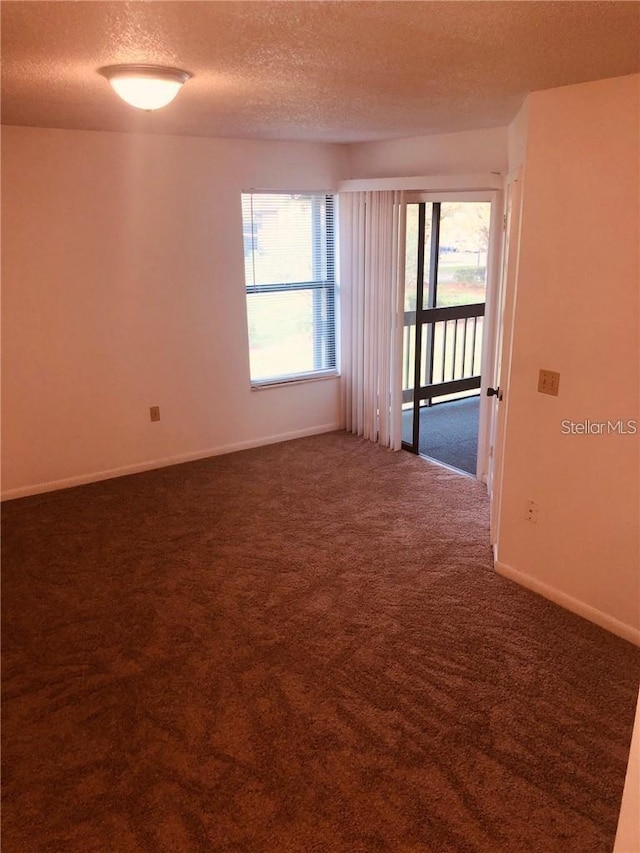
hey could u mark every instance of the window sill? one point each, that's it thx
(262, 385)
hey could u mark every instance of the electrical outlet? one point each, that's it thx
(154, 413)
(549, 382)
(531, 511)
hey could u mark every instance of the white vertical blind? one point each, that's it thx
(372, 293)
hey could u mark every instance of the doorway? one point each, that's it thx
(447, 252)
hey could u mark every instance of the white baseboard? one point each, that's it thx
(609, 623)
(151, 464)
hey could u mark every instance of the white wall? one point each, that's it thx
(517, 138)
(577, 312)
(463, 153)
(628, 834)
(123, 288)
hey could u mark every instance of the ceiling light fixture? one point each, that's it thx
(146, 87)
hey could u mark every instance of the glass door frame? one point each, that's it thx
(491, 322)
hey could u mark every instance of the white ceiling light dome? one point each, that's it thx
(146, 87)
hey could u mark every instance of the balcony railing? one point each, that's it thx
(450, 351)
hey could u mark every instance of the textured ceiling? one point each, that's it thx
(329, 71)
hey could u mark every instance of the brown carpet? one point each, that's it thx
(297, 648)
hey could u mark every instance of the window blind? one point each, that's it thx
(289, 259)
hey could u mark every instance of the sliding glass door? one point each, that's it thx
(445, 292)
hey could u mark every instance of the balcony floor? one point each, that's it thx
(449, 432)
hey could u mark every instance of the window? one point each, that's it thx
(290, 282)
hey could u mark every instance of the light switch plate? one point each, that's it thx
(549, 382)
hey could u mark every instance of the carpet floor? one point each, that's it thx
(297, 648)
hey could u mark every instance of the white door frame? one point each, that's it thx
(504, 343)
